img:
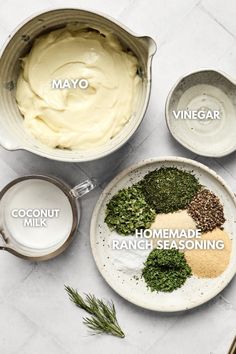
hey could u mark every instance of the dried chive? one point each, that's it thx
(169, 189)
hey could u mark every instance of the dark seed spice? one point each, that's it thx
(165, 270)
(128, 211)
(169, 189)
(207, 211)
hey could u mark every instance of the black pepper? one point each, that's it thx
(206, 210)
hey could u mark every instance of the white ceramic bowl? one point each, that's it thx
(12, 133)
(209, 91)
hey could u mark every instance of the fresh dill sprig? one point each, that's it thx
(103, 319)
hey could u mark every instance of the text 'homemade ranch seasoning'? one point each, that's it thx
(85, 116)
(160, 211)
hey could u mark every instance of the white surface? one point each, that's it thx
(36, 316)
(195, 291)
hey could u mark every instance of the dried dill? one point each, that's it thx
(128, 211)
(165, 270)
(169, 189)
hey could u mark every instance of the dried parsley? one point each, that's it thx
(128, 211)
(166, 270)
(169, 189)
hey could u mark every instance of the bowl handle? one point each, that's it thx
(3, 242)
(83, 188)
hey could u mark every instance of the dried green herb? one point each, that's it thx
(128, 211)
(165, 270)
(103, 319)
(169, 189)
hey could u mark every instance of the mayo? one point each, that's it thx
(72, 116)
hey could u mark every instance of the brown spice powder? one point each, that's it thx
(210, 263)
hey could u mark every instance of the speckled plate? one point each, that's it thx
(195, 291)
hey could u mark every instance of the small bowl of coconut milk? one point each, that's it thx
(39, 216)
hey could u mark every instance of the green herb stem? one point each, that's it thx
(103, 319)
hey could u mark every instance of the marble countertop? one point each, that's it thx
(35, 314)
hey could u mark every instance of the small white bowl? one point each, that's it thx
(12, 133)
(207, 91)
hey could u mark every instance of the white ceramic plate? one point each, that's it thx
(195, 291)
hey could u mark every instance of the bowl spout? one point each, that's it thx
(148, 44)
